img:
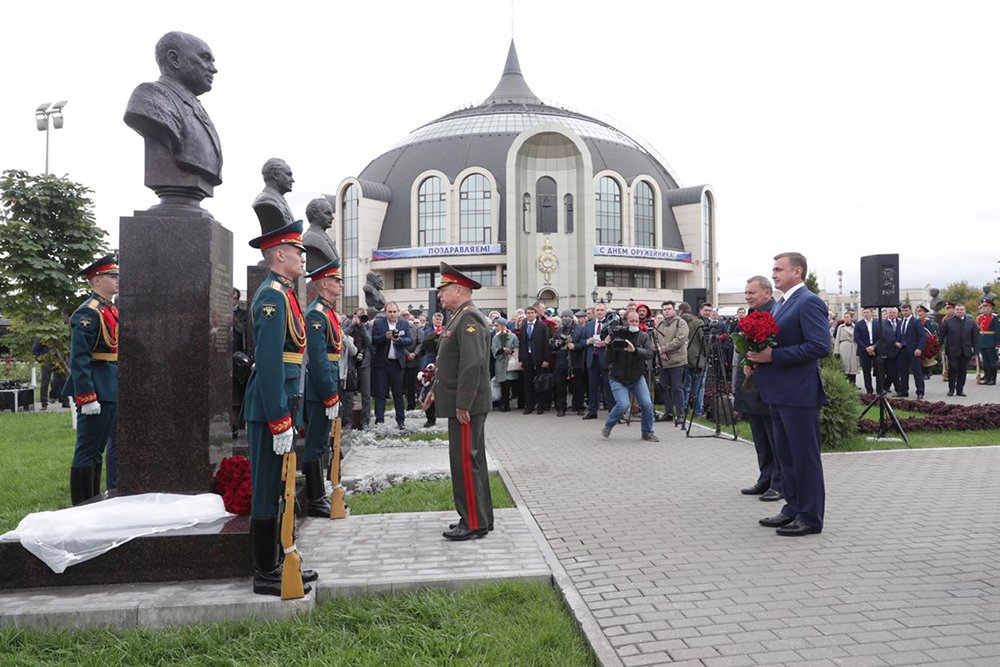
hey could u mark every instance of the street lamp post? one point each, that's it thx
(43, 113)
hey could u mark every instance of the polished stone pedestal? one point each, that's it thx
(175, 364)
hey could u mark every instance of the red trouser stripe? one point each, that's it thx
(470, 487)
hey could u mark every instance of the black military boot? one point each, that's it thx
(266, 560)
(80, 484)
(318, 503)
(95, 489)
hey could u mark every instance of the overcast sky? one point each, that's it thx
(835, 129)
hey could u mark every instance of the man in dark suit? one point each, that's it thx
(789, 382)
(533, 353)
(911, 341)
(959, 338)
(183, 153)
(866, 339)
(390, 338)
(888, 350)
(596, 362)
(759, 298)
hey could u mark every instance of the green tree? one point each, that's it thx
(47, 235)
(963, 292)
(812, 283)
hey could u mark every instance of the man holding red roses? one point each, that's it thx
(789, 382)
(747, 401)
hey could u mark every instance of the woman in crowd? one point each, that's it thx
(846, 349)
(504, 348)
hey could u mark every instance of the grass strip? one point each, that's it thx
(421, 496)
(508, 623)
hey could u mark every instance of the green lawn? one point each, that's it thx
(497, 624)
(36, 451)
(424, 496)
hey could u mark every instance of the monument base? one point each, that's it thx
(218, 551)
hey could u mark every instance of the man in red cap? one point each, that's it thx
(461, 392)
(93, 376)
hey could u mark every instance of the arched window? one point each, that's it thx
(475, 212)
(546, 213)
(349, 221)
(645, 215)
(568, 206)
(608, 211)
(431, 213)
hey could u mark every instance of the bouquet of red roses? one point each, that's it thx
(932, 347)
(756, 332)
(232, 482)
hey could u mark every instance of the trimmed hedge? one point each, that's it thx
(838, 420)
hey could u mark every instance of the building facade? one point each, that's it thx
(533, 201)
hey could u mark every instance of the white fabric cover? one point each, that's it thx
(66, 537)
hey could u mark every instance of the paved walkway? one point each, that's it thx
(662, 559)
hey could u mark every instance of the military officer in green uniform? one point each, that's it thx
(461, 392)
(93, 377)
(279, 331)
(989, 337)
(324, 343)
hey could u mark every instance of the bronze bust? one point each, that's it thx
(320, 248)
(374, 298)
(270, 205)
(183, 153)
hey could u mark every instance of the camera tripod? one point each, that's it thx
(712, 377)
(886, 415)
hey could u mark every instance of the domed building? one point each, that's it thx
(531, 200)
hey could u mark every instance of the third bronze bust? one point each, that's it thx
(320, 248)
(373, 291)
(270, 205)
(183, 153)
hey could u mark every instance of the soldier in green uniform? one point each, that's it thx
(989, 337)
(93, 376)
(325, 341)
(279, 331)
(461, 392)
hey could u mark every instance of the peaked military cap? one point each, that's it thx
(290, 234)
(922, 308)
(989, 301)
(329, 270)
(452, 276)
(106, 264)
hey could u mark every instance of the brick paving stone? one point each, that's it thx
(665, 525)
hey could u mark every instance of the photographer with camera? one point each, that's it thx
(628, 351)
(359, 374)
(569, 361)
(390, 340)
(671, 337)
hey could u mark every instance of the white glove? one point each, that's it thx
(92, 408)
(331, 412)
(283, 442)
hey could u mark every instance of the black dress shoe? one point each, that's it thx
(797, 528)
(920, 397)
(754, 490)
(951, 392)
(776, 521)
(453, 526)
(460, 533)
(540, 411)
(590, 415)
(771, 495)
(960, 393)
(560, 413)
(529, 411)
(900, 394)
(428, 423)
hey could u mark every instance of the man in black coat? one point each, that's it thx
(758, 294)
(569, 362)
(889, 351)
(533, 353)
(959, 338)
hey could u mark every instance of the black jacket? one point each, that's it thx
(959, 338)
(748, 401)
(539, 344)
(627, 367)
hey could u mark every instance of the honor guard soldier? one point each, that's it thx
(325, 341)
(93, 377)
(461, 392)
(989, 338)
(279, 331)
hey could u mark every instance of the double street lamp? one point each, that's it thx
(43, 114)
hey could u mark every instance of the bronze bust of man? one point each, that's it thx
(374, 298)
(320, 248)
(270, 205)
(183, 153)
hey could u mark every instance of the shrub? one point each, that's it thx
(838, 421)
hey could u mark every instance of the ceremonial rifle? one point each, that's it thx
(337, 509)
(291, 574)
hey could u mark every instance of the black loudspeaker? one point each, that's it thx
(695, 296)
(879, 281)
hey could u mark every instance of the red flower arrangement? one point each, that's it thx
(756, 332)
(932, 347)
(232, 482)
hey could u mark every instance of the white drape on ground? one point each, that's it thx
(66, 537)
